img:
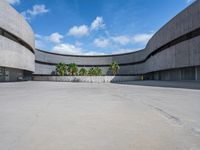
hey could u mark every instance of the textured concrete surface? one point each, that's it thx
(88, 79)
(13, 22)
(12, 53)
(75, 116)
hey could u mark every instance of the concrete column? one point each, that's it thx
(196, 74)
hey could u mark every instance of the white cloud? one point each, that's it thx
(138, 38)
(122, 51)
(73, 50)
(84, 30)
(142, 38)
(67, 49)
(79, 31)
(101, 42)
(123, 40)
(38, 36)
(93, 53)
(39, 44)
(55, 37)
(41, 40)
(36, 10)
(97, 24)
(13, 1)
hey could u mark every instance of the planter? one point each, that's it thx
(88, 79)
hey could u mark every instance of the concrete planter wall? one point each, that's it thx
(89, 79)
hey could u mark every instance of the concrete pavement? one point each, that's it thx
(82, 116)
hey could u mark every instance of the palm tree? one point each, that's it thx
(114, 67)
(83, 72)
(61, 69)
(98, 71)
(72, 69)
(91, 71)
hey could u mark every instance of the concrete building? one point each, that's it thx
(17, 59)
(173, 53)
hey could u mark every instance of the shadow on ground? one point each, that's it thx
(172, 84)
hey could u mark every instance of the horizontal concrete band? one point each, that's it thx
(174, 42)
(14, 55)
(16, 39)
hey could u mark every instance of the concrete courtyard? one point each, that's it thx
(82, 116)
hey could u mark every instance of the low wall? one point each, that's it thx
(89, 79)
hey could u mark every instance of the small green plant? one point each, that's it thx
(72, 69)
(98, 71)
(114, 67)
(95, 71)
(61, 69)
(91, 71)
(83, 72)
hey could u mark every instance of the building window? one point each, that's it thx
(2, 74)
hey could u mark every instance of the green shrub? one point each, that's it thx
(72, 69)
(91, 71)
(83, 72)
(61, 69)
(95, 71)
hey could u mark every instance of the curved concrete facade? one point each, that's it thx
(45, 62)
(17, 59)
(173, 53)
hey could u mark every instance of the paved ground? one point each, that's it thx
(75, 116)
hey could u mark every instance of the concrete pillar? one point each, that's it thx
(196, 74)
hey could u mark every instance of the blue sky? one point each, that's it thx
(93, 27)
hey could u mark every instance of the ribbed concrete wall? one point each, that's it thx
(184, 54)
(176, 45)
(16, 40)
(186, 21)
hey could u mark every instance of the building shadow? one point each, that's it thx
(195, 85)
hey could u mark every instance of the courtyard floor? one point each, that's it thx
(82, 116)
